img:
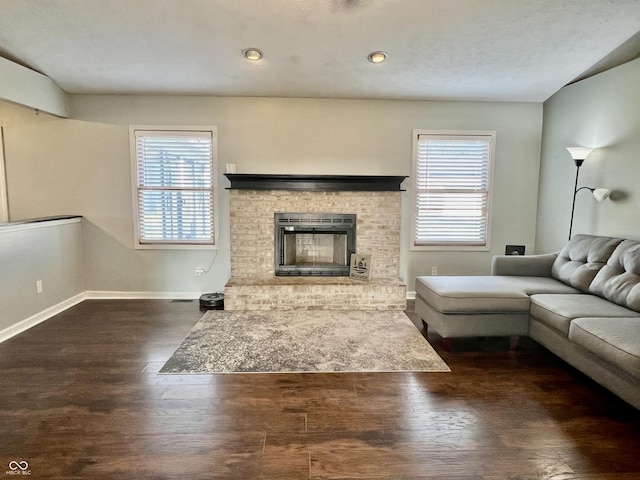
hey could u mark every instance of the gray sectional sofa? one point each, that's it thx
(582, 303)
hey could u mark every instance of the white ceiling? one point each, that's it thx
(504, 50)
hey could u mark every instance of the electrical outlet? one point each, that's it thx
(199, 271)
(434, 271)
(39, 286)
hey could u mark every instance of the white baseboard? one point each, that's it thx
(411, 295)
(40, 317)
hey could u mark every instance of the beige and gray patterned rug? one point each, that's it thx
(304, 341)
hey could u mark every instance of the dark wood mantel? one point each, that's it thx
(323, 183)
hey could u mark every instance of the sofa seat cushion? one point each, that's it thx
(536, 285)
(557, 311)
(616, 340)
(484, 294)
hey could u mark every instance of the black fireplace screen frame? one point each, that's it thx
(323, 223)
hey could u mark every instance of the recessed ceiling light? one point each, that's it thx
(252, 54)
(377, 57)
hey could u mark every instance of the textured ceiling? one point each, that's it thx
(505, 50)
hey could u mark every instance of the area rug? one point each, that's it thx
(304, 341)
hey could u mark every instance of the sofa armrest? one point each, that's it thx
(525, 265)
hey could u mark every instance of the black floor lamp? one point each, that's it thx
(579, 154)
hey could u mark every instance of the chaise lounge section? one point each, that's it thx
(582, 303)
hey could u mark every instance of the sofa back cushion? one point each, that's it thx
(582, 258)
(619, 280)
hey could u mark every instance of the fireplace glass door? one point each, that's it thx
(314, 245)
(315, 249)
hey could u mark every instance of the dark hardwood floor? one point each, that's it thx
(80, 399)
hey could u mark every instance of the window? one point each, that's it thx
(174, 178)
(4, 202)
(452, 180)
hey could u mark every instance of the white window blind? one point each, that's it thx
(452, 189)
(174, 183)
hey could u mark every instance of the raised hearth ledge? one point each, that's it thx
(320, 183)
(312, 280)
(314, 293)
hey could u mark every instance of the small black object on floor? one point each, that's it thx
(212, 301)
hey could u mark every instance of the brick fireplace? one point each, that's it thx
(255, 200)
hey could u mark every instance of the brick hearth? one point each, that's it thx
(320, 293)
(253, 284)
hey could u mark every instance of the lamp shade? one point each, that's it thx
(601, 194)
(579, 153)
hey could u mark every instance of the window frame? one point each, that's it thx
(453, 246)
(4, 195)
(167, 245)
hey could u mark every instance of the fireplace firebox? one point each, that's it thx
(318, 244)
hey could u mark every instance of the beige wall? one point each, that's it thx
(602, 112)
(81, 166)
